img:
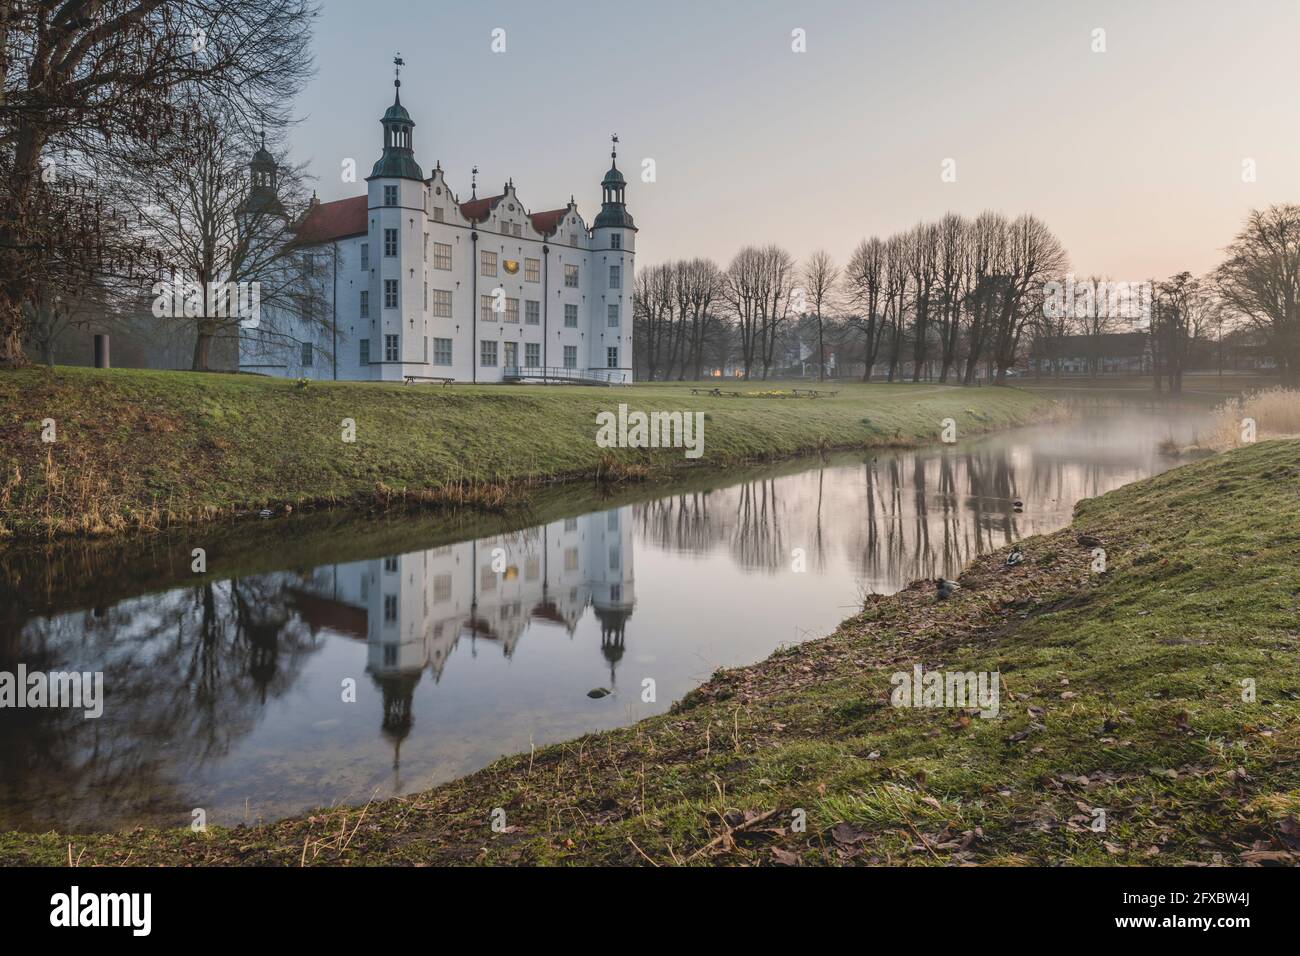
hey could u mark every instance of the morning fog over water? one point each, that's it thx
(227, 694)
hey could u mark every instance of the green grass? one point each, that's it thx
(1121, 691)
(143, 449)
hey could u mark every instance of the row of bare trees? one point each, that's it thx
(947, 295)
(958, 291)
(953, 298)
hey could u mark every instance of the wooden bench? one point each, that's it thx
(413, 379)
(715, 392)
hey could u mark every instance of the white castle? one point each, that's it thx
(419, 284)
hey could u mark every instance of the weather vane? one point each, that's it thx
(613, 149)
(398, 63)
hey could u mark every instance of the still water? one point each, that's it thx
(226, 692)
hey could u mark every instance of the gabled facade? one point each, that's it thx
(422, 284)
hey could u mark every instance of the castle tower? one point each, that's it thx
(610, 580)
(613, 252)
(395, 237)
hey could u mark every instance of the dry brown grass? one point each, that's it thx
(1275, 411)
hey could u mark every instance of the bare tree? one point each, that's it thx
(1033, 257)
(776, 285)
(820, 277)
(653, 315)
(951, 263)
(757, 291)
(922, 266)
(216, 222)
(1183, 312)
(1260, 280)
(743, 293)
(699, 283)
(80, 77)
(897, 256)
(864, 280)
(985, 258)
(1094, 319)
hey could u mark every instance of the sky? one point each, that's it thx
(1137, 156)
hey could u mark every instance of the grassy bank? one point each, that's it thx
(143, 450)
(1122, 692)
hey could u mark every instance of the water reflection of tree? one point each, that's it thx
(896, 517)
(186, 674)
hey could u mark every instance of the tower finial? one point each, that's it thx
(473, 183)
(398, 63)
(613, 149)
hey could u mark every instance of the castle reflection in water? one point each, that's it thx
(413, 609)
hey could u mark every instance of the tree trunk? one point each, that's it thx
(203, 345)
(11, 332)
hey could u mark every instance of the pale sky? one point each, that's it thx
(1134, 156)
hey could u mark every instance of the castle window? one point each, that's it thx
(615, 277)
(390, 348)
(570, 316)
(512, 311)
(365, 352)
(365, 256)
(570, 356)
(442, 303)
(518, 230)
(571, 277)
(487, 263)
(390, 242)
(390, 615)
(532, 270)
(533, 312)
(306, 355)
(442, 255)
(615, 241)
(487, 355)
(611, 358)
(437, 214)
(612, 315)
(573, 238)
(532, 355)
(365, 303)
(390, 293)
(390, 195)
(442, 351)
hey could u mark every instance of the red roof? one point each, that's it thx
(334, 220)
(477, 209)
(327, 221)
(547, 222)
